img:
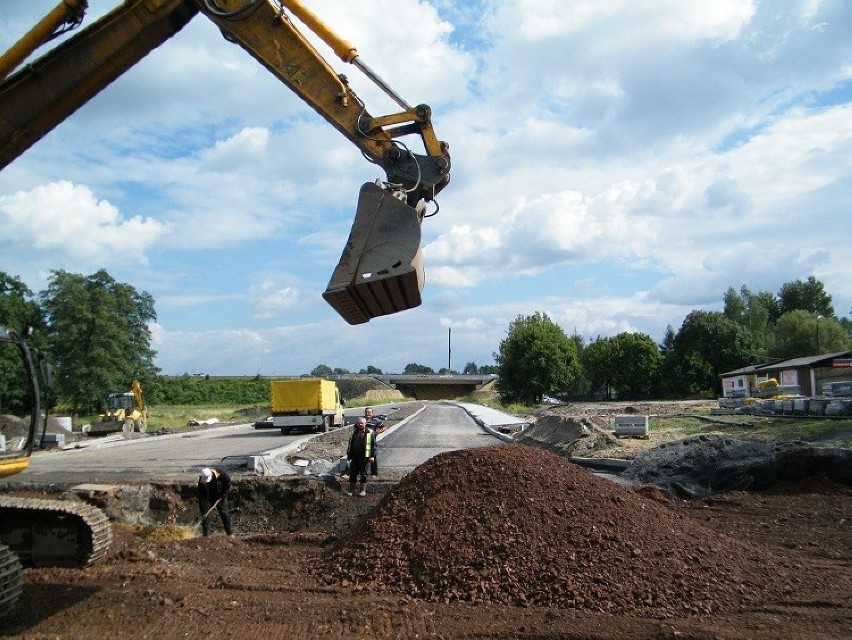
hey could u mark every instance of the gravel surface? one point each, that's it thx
(514, 526)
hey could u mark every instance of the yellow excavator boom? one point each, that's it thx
(41, 94)
(67, 12)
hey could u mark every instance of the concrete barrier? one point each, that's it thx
(631, 426)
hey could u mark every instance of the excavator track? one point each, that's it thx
(53, 533)
(11, 580)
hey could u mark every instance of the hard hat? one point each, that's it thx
(206, 475)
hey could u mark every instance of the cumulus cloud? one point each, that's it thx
(270, 297)
(614, 164)
(67, 222)
(688, 20)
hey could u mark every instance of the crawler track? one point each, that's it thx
(53, 533)
(11, 580)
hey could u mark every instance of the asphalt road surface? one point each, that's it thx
(179, 456)
(438, 428)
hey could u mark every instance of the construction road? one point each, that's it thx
(439, 427)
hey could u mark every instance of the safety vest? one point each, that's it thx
(369, 442)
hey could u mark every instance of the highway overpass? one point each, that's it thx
(436, 387)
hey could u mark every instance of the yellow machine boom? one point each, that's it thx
(380, 271)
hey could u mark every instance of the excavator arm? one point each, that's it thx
(380, 270)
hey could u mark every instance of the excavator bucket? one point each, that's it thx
(381, 269)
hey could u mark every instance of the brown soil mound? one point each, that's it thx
(568, 436)
(382, 394)
(14, 427)
(512, 525)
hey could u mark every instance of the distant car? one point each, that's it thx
(264, 424)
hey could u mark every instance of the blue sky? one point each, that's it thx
(615, 165)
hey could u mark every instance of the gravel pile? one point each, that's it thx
(518, 526)
(707, 464)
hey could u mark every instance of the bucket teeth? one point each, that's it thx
(381, 269)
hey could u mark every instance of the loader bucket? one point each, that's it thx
(381, 269)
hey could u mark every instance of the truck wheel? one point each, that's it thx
(326, 424)
(140, 426)
(285, 431)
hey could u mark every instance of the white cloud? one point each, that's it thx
(680, 19)
(614, 164)
(270, 297)
(70, 225)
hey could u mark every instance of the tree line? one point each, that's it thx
(537, 358)
(96, 333)
(412, 368)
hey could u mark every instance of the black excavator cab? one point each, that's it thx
(381, 269)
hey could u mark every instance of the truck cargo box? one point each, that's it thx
(313, 402)
(306, 396)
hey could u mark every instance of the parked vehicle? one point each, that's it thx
(311, 403)
(125, 412)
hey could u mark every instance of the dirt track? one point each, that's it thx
(499, 543)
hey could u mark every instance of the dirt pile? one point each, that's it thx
(13, 427)
(568, 436)
(512, 525)
(710, 463)
(359, 388)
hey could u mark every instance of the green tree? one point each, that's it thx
(412, 368)
(638, 365)
(800, 333)
(470, 369)
(669, 370)
(846, 323)
(322, 371)
(808, 296)
(99, 336)
(582, 385)
(707, 345)
(735, 305)
(534, 359)
(15, 390)
(757, 313)
(768, 302)
(628, 364)
(371, 370)
(597, 360)
(18, 310)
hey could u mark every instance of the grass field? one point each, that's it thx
(177, 417)
(836, 432)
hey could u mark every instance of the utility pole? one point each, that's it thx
(449, 349)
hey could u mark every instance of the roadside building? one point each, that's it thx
(807, 376)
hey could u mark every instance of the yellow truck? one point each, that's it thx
(305, 403)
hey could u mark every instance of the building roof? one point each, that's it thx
(793, 363)
(752, 368)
